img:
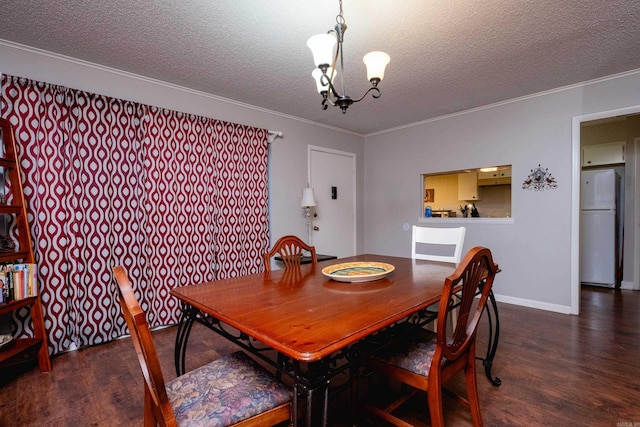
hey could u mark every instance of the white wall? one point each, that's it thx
(288, 162)
(534, 249)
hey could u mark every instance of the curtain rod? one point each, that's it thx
(273, 134)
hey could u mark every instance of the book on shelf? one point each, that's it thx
(18, 281)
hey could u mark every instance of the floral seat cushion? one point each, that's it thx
(414, 355)
(224, 392)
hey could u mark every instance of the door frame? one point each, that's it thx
(317, 148)
(575, 202)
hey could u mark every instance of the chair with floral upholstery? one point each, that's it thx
(232, 390)
(429, 359)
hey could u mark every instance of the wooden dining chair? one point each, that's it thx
(290, 249)
(232, 390)
(429, 359)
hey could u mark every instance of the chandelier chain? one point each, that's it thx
(340, 16)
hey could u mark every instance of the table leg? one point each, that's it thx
(310, 407)
(182, 337)
(296, 394)
(354, 393)
(492, 346)
(312, 384)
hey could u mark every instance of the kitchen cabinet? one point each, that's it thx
(603, 154)
(498, 177)
(468, 186)
(501, 173)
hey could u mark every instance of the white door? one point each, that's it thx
(332, 175)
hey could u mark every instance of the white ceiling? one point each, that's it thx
(446, 55)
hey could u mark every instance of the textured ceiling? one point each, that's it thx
(446, 55)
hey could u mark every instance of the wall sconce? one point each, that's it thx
(308, 201)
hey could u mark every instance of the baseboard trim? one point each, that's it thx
(626, 284)
(564, 309)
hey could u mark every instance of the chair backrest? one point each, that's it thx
(289, 248)
(155, 389)
(473, 277)
(437, 244)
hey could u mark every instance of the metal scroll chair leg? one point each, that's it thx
(182, 337)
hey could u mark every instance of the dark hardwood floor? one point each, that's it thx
(556, 370)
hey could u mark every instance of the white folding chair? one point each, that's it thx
(438, 244)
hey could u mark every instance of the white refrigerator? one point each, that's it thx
(598, 227)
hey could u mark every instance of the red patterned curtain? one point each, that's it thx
(175, 198)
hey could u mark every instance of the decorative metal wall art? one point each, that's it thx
(539, 179)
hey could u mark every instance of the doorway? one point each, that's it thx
(632, 231)
(332, 174)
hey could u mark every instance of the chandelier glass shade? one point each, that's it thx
(326, 50)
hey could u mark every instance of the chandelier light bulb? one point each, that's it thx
(376, 62)
(322, 47)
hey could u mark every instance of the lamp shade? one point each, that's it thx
(376, 62)
(317, 75)
(321, 46)
(308, 199)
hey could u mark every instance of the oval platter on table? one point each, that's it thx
(355, 272)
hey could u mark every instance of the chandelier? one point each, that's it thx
(322, 46)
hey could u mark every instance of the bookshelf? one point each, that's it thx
(16, 247)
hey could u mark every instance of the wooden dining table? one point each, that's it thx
(311, 327)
